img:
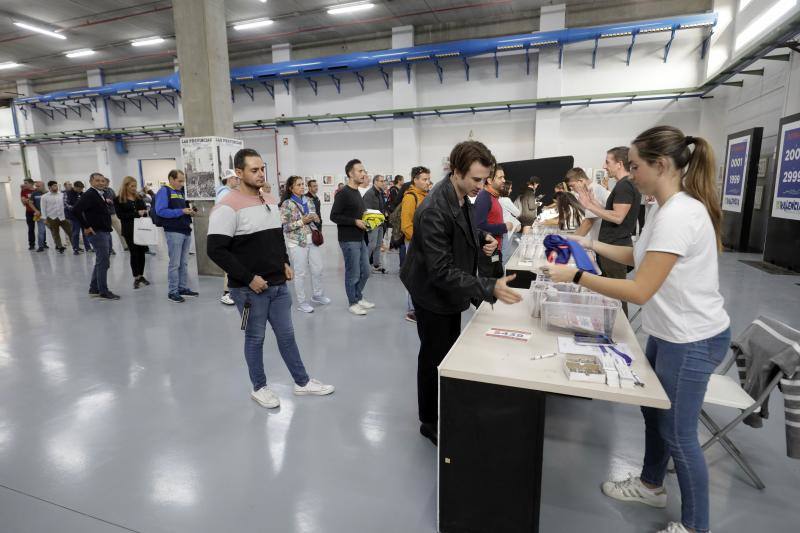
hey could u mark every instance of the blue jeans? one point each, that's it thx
(101, 241)
(274, 305)
(684, 371)
(76, 236)
(41, 228)
(178, 249)
(356, 269)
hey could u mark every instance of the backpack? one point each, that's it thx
(157, 220)
(395, 222)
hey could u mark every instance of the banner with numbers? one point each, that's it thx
(735, 168)
(786, 201)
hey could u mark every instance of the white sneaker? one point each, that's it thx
(226, 299)
(633, 490)
(305, 307)
(266, 398)
(357, 310)
(366, 305)
(314, 388)
(675, 527)
(321, 300)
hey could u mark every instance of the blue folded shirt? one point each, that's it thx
(560, 250)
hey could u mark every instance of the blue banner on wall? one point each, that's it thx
(736, 165)
(786, 202)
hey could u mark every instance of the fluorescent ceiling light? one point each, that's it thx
(37, 29)
(79, 53)
(764, 22)
(147, 42)
(250, 24)
(9, 64)
(349, 8)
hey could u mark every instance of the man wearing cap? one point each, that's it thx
(230, 182)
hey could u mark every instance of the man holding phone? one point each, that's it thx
(440, 270)
(176, 219)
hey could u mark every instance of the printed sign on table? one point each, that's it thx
(735, 167)
(786, 202)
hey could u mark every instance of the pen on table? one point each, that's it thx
(543, 356)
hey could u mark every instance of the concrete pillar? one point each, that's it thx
(109, 163)
(405, 132)
(287, 135)
(39, 162)
(547, 134)
(202, 44)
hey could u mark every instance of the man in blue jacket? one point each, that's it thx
(176, 218)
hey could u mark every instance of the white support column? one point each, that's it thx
(108, 161)
(284, 107)
(547, 134)
(405, 132)
(40, 164)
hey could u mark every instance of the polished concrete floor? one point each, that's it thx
(135, 416)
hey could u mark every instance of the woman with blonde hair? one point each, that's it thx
(129, 206)
(676, 282)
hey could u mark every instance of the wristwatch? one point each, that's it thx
(577, 277)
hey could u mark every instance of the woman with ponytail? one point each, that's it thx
(676, 282)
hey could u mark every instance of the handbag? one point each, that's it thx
(144, 232)
(316, 237)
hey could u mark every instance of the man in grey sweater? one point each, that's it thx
(375, 200)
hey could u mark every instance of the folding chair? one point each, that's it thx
(726, 391)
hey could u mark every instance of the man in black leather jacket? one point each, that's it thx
(440, 270)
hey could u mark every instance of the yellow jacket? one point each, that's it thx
(411, 200)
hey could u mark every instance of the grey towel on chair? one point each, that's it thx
(764, 349)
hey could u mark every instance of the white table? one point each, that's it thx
(491, 417)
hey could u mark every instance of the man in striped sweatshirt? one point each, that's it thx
(245, 238)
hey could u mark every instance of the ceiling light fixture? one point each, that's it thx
(79, 53)
(250, 24)
(37, 29)
(147, 42)
(350, 8)
(9, 64)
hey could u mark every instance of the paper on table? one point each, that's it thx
(513, 334)
(568, 345)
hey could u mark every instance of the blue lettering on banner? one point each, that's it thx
(736, 162)
(787, 186)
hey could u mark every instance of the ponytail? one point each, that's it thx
(701, 184)
(699, 180)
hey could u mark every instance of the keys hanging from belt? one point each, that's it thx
(245, 314)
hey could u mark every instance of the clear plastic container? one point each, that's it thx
(539, 289)
(579, 312)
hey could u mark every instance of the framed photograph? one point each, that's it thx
(763, 164)
(326, 198)
(327, 180)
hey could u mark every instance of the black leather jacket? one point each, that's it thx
(440, 269)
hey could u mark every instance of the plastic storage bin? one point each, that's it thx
(579, 312)
(540, 288)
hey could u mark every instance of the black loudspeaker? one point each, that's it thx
(739, 187)
(782, 245)
(550, 169)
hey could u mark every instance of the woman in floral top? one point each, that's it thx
(299, 218)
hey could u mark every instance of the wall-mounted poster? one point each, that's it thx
(204, 159)
(326, 198)
(327, 180)
(735, 166)
(786, 200)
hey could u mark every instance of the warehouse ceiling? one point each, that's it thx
(109, 26)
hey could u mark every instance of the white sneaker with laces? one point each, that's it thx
(305, 307)
(266, 398)
(226, 299)
(633, 490)
(675, 527)
(366, 305)
(313, 388)
(357, 310)
(321, 300)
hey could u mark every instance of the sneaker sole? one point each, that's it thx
(306, 311)
(176, 302)
(226, 303)
(267, 406)
(321, 393)
(636, 500)
(190, 295)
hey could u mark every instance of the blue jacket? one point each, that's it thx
(169, 207)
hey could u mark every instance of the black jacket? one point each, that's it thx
(374, 199)
(92, 211)
(127, 211)
(317, 208)
(440, 269)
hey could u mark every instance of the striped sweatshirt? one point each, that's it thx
(245, 238)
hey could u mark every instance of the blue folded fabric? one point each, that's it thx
(560, 250)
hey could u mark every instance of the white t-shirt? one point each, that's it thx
(688, 307)
(600, 194)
